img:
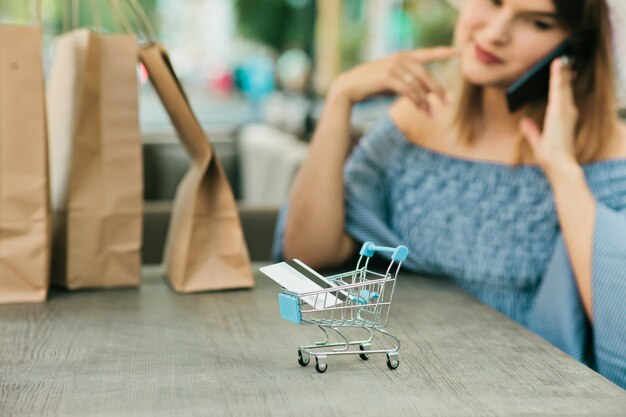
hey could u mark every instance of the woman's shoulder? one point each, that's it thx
(607, 176)
(617, 147)
(417, 126)
(621, 142)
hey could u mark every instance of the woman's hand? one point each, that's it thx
(553, 147)
(402, 73)
(575, 204)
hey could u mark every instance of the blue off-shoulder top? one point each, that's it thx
(493, 229)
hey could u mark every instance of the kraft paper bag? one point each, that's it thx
(96, 161)
(205, 248)
(24, 209)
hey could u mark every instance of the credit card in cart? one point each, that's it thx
(297, 277)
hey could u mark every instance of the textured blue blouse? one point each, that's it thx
(493, 229)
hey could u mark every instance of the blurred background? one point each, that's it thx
(255, 72)
(240, 53)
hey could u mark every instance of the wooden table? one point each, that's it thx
(151, 352)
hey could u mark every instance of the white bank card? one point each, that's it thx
(295, 276)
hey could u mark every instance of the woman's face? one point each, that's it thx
(502, 39)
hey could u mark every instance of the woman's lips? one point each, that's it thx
(485, 56)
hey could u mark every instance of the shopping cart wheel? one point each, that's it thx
(363, 348)
(320, 365)
(303, 359)
(392, 360)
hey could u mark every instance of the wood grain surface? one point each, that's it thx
(151, 352)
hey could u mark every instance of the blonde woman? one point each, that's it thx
(526, 211)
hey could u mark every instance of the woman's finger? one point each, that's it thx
(415, 74)
(438, 53)
(560, 92)
(531, 132)
(429, 82)
(407, 75)
(399, 85)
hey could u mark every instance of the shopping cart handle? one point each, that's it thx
(398, 253)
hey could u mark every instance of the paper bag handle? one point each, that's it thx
(71, 15)
(38, 12)
(119, 15)
(142, 18)
(139, 22)
(169, 89)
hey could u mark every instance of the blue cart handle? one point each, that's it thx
(398, 253)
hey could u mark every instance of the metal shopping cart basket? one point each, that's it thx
(356, 299)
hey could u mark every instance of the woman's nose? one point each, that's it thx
(497, 29)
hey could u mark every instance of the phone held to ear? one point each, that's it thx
(535, 83)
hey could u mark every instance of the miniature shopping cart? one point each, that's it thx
(358, 299)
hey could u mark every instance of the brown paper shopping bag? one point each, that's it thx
(205, 248)
(24, 209)
(96, 160)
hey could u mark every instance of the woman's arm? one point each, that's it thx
(576, 208)
(314, 229)
(575, 204)
(558, 313)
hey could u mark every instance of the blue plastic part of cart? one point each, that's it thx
(289, 308)
(364, 297)
(366, 249)
(399, 253)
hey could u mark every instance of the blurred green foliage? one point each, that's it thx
(412, 24)
(55, 12)
(353, 32)
(434, 21)
(279, 24)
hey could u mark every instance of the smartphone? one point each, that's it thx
(535, 83)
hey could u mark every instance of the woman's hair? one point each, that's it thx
(594, 86)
